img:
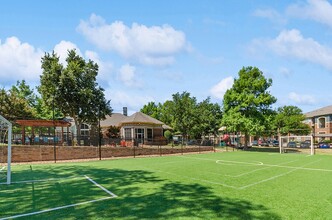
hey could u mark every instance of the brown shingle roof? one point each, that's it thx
(117, 119)
(321, 111)
(114, 120)
(140, 117)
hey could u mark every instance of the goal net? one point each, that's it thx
(296, 144)
(5, 146)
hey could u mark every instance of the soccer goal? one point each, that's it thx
(5, 140)
(294, 143)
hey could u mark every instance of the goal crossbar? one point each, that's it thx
(297, 137)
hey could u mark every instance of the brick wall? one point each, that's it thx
(46, 153)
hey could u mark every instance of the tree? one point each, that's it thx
(13, 107)
(73, 89)
(289, 119)
(166, 114)
(23, 91)
(247, 105)
(168, 135)
(152, 110)
(208, 118)
(183, 113)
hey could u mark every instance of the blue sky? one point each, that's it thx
(148, 50)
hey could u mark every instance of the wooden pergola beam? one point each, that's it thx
(41, 123)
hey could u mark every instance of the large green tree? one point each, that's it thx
(289, 119)
(247, 105)
(73, 89)
(208, 118)
(152, 109)
(13, 106)
(183, 111)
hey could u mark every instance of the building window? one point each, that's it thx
(321, 122)
(85, 130)
(149, 130)
(127, 133)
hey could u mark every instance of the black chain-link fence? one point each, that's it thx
(46, 148)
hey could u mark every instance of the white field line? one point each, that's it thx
(224, 162)
(228, 162)
(273, 165)
(191, 178)
(252, 171)
(300, 168)
(277, 176)
(101, 187)
(66, 206)
(57, 208)
(246, 173)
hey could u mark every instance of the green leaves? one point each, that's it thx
(186, 116)
(73, 88)
(247, 105)
(289, 119)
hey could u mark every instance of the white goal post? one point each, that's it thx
(296, 142)
(9, 151)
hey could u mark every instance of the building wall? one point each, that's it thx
(321, 132)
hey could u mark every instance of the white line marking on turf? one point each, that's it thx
(66, 206)
(277, 176)
(101, 187)
(226, 162)
(252, 171)
(57, 208)
(272, 165)
(191, 178)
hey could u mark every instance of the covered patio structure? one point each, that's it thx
(43, 123)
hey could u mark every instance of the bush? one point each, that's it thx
(168, 135)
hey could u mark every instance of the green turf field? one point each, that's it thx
(228, 185)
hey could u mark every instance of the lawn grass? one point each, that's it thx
(228, 185)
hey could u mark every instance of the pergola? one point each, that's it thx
(41, 123)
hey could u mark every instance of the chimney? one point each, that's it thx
(125, 111)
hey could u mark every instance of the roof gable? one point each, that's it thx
(140, 117)
(114, 120)
(321, 111)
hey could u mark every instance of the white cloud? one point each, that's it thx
(301, 99)
(154, 45)
(105, 68)
(318, 10)
(19, 61)
(291, 43)
(272, 15)
(127, 75)
(285, 71)
(61, 49)
(219, 90)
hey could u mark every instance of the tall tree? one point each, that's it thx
(289, 119)
(23, 91)
(13, 107)
(183, 109)
(73, 89)
(166, 114)
(152, 109)
(208, 118)
(247, 105)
